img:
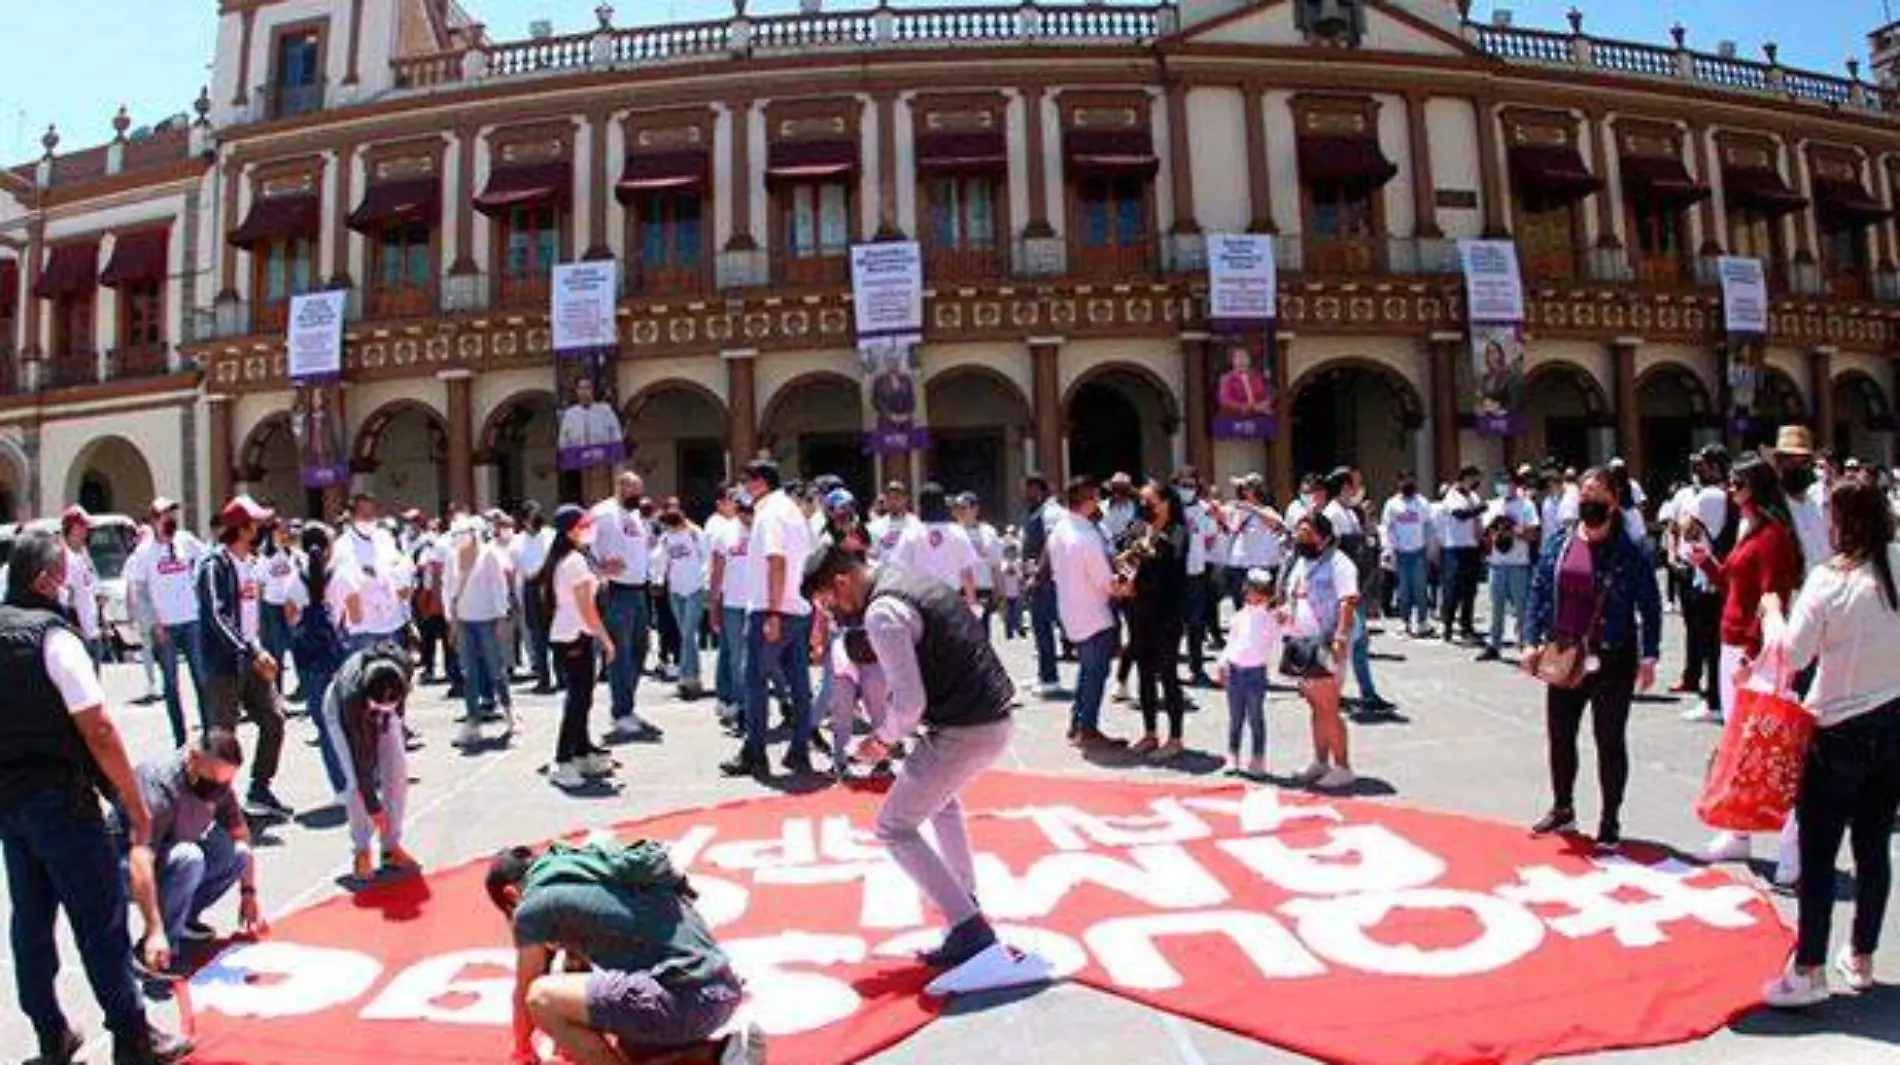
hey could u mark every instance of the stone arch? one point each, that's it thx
(814, 423)
(1863, 419)
(1120, 417)
(271, 465)
(516, 451)
(110, 475)
(978, 419)
(1353, 411)
(676, 436)
(1675, 415)
(415, 474)
(16, 480)
(496, 425)
(1565, 408)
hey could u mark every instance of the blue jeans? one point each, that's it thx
(485, 671)
(194, 875)
(181, 639)
(686, 613)
(540, 658)
(628, 614)
(1412, 599)
(1246, 709)
(316, 688)
(1510, 585)
(1042, 622)
(1362, 656)
(729, 671)
(274, 634)
(60, 856)
(363, 641)
(1012, 617)
(790, 659)
(1094, 657)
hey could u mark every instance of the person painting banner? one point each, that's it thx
(1245, 396)
(1497, 352)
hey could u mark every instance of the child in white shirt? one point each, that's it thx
(1253, 639)
(1011, 588)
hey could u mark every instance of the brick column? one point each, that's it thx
(345, 165)
(30, 304)
(739, 182)
(888, 225)
(350, 77)
(1200, 444)
(1045, 358)
(1804, 225)
(337, 496)
(742, 424)
(597, 126)
(218, 426)
(1821, 381)
(1629, 422)
(462, 202)
(1885, 191)
(1444, 351)
(1181, 161)
(1424, 185)
(1037, 224)
(227, 253)
(1713, 236)
(243, 95)
(1259, 169)
(461, 418)
(1280, 450)
(1606, 162)
(1493, 187)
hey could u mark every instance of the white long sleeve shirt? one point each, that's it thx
(1078, 556)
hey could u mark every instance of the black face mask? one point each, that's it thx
(1594, 513)
(1798, 480)
(630, 502)
(1308, 551)
(206, 788)
(169, 526)
(1408, 490)
(1148, 512)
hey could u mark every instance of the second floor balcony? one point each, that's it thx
(71, 369)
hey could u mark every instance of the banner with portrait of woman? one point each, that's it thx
(890, 375)
(316, 421)
(1497, 377)
(1246, 397)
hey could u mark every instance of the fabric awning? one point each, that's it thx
(137, 259)
(1760, 189)
(810, 160)
(1110, 152)
(1661, 181)
(1841, 203)
(1551, 175)
(399, 203)
(1355, 162)
(688, 168)
(531, 185)
(983, 152)
(279, 218)
(71, 270)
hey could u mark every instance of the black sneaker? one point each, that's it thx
(150, 1046)
(260, 799)
(1609, 837)
(199, 930)
(965, 941)
(1557, 820)
(799, 764)
(1489, 654)
(743, 766)
(60, 1047)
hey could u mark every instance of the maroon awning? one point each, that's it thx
(1355, 162)
(1841, 203)
(811, 160)
(399, 203)
(1110, 152)
(1551, 175)
(71, 270)
(1760, 189)
(1664, 182)
(688, 168)
(137, 259)
(983, 152)
(279, 218)
(532, 185)
(9, 284)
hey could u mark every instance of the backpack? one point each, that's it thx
(315, 642)
(642, 865)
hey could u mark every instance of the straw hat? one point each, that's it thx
(1794, 440)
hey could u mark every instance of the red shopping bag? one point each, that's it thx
(1756, 772)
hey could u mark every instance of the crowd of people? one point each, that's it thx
(1780, 566)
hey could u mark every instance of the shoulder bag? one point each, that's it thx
(1564, 663)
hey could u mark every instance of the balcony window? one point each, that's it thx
(284, 268)
(1657, 230)
(669, 238)
(1111, 225)
(1752, 233)
(1342, 229)
(9, 302)
(73, 325)
(403, 271)
(962, 235)
(142, 315)
(1845, 261)
(298, 89)
(1547, 242)
(530, 246)
(815, 227)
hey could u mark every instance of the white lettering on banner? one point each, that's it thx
(1384, 861)
(890, 900)
(272, 979)
(721, 902)
(794, 846)
(1064, 955)
(1630, 901)
(838, 841)
(1125, 946)
(1336, 928)
(1166, 878)
(787, 1001)
(1070, 829)
(438, 990)
(1263, 810)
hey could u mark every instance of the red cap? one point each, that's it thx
(412, 515)
(243, 509)
(75, 515)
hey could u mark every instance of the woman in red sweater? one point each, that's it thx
(1766, 559)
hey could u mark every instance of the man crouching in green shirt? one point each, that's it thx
(641, 980)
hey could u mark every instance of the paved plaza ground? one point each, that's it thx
(1470, 739)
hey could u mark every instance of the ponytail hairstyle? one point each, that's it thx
(316, 550)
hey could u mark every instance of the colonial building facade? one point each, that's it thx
(1060, 166)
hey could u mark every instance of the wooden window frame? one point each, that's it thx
(130, 296)
(962, 262)
(812, 270)
(1552, 267)
(1854, 281)
(403, 300)
(1352, 256)
(1111, 260)
(671, 279)
(1655, 268)
(273, 315)
(65, 343)
(320, 26)
(527, 292)
(1522, 126)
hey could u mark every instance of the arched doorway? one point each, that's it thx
(676, 432)
(978, 420)
(815, 424)
(404, 447)
(1564, 409)
(1778, 402)
(1675, 415)
(13, 485)
(1121, 419)
(1355, 412)
(110, 476)
(518, 443)
(272, 469)
(1863, 420)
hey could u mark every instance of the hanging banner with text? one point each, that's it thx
(1744, 297)
(1242, 303)
(1492, 283)
(1242, 284)
(314, 348)
(316, 420)
(887, 299)
(586, 349)
(1497, 365)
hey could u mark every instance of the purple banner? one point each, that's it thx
(318, 426)
(1493, 424)
(893, 441)
(1237, 427)
(590, 432)
(1246, 397)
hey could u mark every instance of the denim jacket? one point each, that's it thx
(1627, 582)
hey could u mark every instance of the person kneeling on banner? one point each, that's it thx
(639, 976)
(944, 677)
(857, 681)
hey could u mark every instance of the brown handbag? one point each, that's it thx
(1564, 663)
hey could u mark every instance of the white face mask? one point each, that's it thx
(384, 708)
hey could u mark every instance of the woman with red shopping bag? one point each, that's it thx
(1848, 618)
(1766, 560)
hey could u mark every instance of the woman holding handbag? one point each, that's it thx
(1847, 618)
(1322, 592)
(1594, 629)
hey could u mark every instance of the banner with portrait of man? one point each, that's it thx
(586, 351)
(1497, 377)
(316, 421)
(890, 375)
(1246, 397)
(1743, 378)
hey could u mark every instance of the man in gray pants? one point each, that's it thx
(944, 676)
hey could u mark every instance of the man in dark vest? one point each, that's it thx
(58, 748)
(944, 676)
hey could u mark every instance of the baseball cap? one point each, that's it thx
(75, 515)
(243, 509)
(840, 499)
(163, 505)
(897, 486)
(1260, 578)
(566, 518)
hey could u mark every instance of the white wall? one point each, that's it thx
(156, 434)
(1395, 140)
(1283, 161)
(1217, 118)
(1453, 143)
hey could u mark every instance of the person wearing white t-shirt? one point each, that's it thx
(1086, 585)
(937, 547)
(530, 551)
(1201, 596)
(478, 578)
(579, 637)
(367, 567)
(1322, 595)
(82, 581)
(778, 626)
(1511, 525)
(989, 554)
(623, 553)
(1462, 527)
(683, 548)
(280, 567)
(1254, 530)
(731, 584)
(1407, 524)
(888, 528)
(161, 572)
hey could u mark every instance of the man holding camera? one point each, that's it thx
(1510, 524)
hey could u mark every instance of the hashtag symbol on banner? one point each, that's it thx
(1630, 900)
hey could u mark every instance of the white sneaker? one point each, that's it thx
(1338, 778)
(1702, 714)
(1121, 693)
(669, 674)
(1728, 847)
(566, 775)
(745, 1046)
(468, 735)
(1312, 773)
(1792, 991)
(596, 765)
(1788, 856)
(1848, 965)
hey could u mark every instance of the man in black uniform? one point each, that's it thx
(944, 676)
